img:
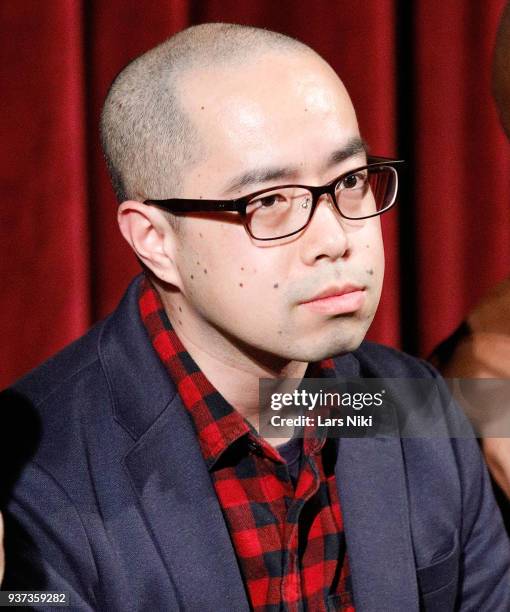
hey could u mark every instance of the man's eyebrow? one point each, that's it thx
(354, 146)
(261, 175)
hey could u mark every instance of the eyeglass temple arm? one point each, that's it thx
(375, 159)
(178, 205)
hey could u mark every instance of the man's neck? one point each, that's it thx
(235, 373)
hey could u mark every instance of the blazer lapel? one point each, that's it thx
(371, 483)
(372, 489)
(184, 517)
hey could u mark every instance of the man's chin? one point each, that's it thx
(318, 351)
(338, 350)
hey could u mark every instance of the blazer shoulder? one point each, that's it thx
(48, 417)
(44, 380)
(380, 361)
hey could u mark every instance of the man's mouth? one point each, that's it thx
(337, 300)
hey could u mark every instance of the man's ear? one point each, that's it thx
(151, 237)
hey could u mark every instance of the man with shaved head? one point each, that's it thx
(246, 193)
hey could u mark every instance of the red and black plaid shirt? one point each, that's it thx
(289, 540)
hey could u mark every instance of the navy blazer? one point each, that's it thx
(107, 495)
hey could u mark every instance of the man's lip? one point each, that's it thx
(334, 292)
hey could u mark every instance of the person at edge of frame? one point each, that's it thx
(247, 195)
(480, 346)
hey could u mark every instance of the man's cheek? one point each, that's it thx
(373, 255)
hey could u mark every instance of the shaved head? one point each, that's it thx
(148, 137)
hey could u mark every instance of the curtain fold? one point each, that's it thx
(44, 266)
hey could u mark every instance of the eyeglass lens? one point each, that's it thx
(277, 213)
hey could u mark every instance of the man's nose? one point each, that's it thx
(325, 236)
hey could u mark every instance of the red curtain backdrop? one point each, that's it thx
(419, 77)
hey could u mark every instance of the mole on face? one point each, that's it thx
(371, 271)
(367, 245)
(200, 234)
(242, 269)
(241, 285)
(275, 286)
(279, 332)
(191, 276)
(205, 270)
(180, 309)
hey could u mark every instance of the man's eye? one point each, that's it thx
(268, 200)
(354, 181)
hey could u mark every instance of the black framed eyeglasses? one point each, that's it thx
(280, 212)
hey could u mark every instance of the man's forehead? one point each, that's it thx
(270, 75)
(263, 112)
